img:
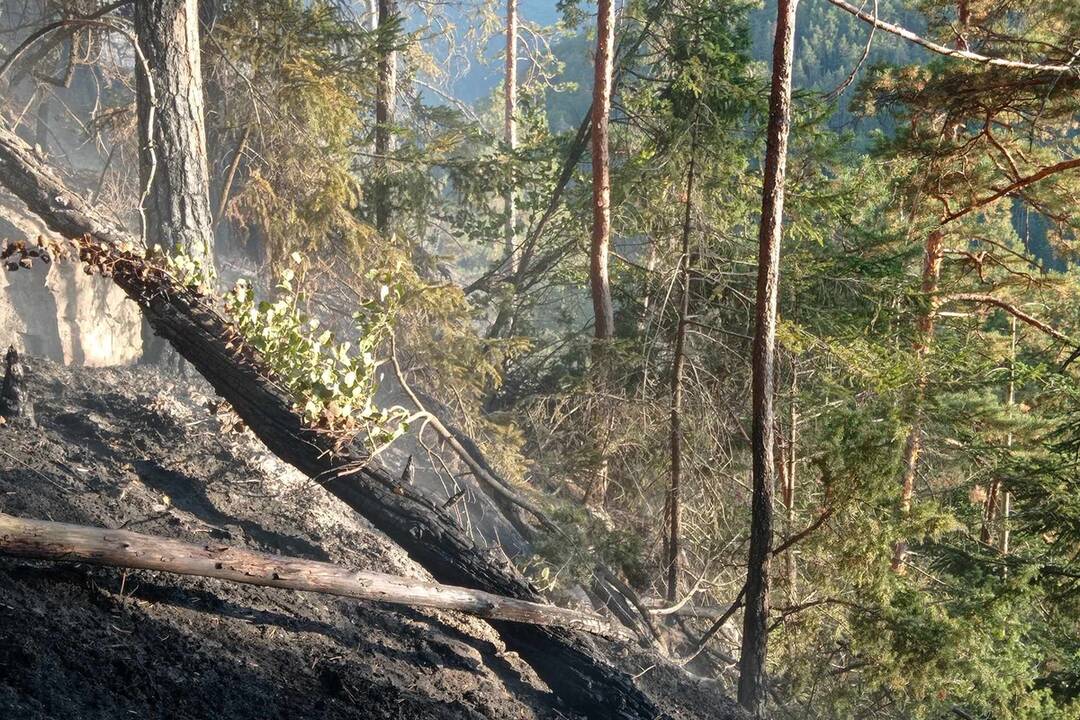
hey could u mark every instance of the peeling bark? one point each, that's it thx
(43, 540)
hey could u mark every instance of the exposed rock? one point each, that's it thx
(58, 312)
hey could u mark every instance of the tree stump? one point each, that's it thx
(14, 398)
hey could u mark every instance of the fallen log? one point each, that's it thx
(566, 660)
(62, 542)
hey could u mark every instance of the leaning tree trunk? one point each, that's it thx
(566, 660)
(755, 634)
(175, 201)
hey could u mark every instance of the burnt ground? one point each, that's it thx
(123, 447)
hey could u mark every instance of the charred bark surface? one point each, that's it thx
(14, 400)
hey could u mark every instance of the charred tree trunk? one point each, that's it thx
(924, 337)
(385, 98)
(175, 203)
(755, 634)
(566, 660)
(604, 319)
(14, 400)
(42, 540)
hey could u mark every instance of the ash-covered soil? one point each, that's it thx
(126, 448)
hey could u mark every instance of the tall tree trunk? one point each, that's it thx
(385, 98)
(41, 130)
(510, 133)
(787, 485)
(924, 337)
(599, 283)
(172, 160)
(674, 501)
(754, 642)
(604, 320)
(173, 168)
(998, 500)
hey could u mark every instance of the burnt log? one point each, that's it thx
(63, 542)
(568, 661)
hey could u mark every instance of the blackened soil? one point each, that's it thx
(125, 448)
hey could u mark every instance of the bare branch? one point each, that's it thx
(950, 52)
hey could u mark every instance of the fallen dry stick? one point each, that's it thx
(42, 540)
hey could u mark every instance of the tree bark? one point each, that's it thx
(41, 540)
(175, 202)
(924, 337)
(173, 168)
(604, 320)
(510, 133)
(385, 98)
(787, 461)
(566, 660)
(755, 618)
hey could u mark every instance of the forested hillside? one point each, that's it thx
(699, 349)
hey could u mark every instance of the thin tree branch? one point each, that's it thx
(947, 51)
(1013, 187)
(1012, 310)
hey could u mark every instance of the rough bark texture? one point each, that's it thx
(385, 95)
(755, 618)
(174, 174)
(173, 171)
(924, 337)
(510, 131)
(14, 401)
(566, 660)
(603, 313)
(45, 540)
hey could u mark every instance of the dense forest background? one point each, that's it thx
(395, 235)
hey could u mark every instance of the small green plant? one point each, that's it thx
(334, 382)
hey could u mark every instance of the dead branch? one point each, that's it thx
(42, 540)
(950, 52)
